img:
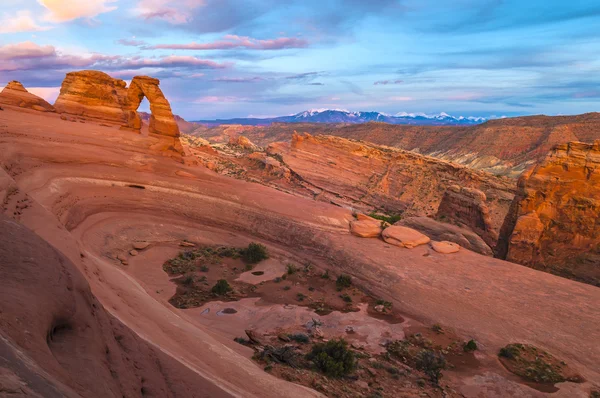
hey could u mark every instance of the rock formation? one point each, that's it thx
(162, 121)
(95, 94)
(445, 247)
(468, 207)
(366, 227)
(15, 94)
(554, 222)
(92, 94)
(442, 231)
(404, 237)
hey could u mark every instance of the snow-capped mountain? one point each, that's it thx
(345, 116)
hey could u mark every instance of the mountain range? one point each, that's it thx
(344, 116)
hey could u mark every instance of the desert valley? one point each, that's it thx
(246, 260)
(295, 199)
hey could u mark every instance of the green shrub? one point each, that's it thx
(204, 268)
(431, 363)
(470, 345)
(386, 304)
(325, 275)
(394, 218)
(221, 288)
(511, 351)
(254, 253)
(299, 338)
(287, 287)
(188, 280)
(300, 297)
(291, 269)
(333, 358)
(343, 281)
(437, 328)
(346, 298)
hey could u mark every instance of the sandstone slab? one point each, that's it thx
(404, 237)
(445, 247)
(16, 95)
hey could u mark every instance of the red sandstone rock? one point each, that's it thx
(404, 237)
(445, 247)
(555, 216)
(15, 94)
(366, 228)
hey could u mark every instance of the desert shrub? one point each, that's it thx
(254, 253)
(386, 304)
(241, 340)
(511, 351)
(343, 281)
(346, 298)
(291, 269)
(287, 287)
(300, 297)
(204, 268)
(399, 349)
(221, 288)
(431, 363)
(470, 345)
(325, 275)
(299, 338)
(188, 280)
(437, 328)
(389, 219)
(333, 358)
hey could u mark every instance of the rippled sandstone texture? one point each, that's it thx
(555, 220)
(16, 95)
(93, 191)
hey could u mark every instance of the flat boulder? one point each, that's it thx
(442, 231)
(404, 237)
(445, 247)
(366, 228)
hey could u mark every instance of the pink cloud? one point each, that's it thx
(131, 42)
(233, 41)
(63, 11)
(176, 13)
(238, 79)
(401, 98)
(216, 99)
(22, 22)
(172, 60)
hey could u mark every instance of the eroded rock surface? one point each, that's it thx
(404, 237)
(555, 223)
(92, 94)
(442, 231)
(162, 121)
(15, 94)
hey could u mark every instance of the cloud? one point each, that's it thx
(63, 11)
(401, 98)
(234, 41)
(48, 93)
(238, 79)
(173, 12)
(22, 22)
(169, 61)
(386, 82)
(305, 77)
(316, 84)
(131, 42)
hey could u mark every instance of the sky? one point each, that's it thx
(263, 58)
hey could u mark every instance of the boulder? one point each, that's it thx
(366, 228)
(16, 95)
(92, 94)
(404, 237)
(445, 247)
(441, 231)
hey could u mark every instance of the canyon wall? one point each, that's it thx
(554, 222)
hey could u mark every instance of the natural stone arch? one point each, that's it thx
(162, 121)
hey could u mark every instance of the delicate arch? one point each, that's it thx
(162, 121)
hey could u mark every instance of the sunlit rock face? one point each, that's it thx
(16, 95)
(554, 220)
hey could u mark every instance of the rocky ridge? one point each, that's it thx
(16, 95)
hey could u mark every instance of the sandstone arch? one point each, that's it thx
(162, 121)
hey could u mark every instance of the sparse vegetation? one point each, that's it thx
(300, 297)
(325, 275)
(437, 328)
(535, 365)
(333, 358)
(291, 269)
(386, 304)
(343, 281)
(431, 363)
(391, 219)
(346, 298)
(254, 253)
(470, 346)
(299, 338)
(221, 288)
